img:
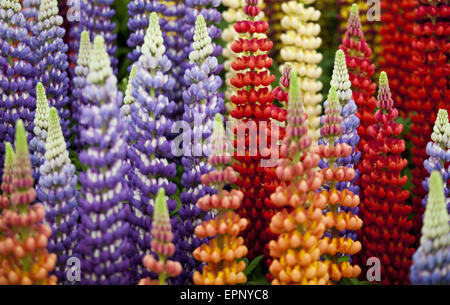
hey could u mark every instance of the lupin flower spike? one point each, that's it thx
(300, 43)
(429, 88)
(225, 246)
(97, 19)
(23, 254)
(296, 251)
(18, 74)
(149, 148)
(80, 74)
(340, 201)
(37, 143)
(371, 29)
(358, 57)
(104, 227)
(128, 99)
(202, 102)
(7, 186)
(350, 122)
(161, 245)
(438, 151)
(431, 261)
(51, 59)
(212, 17)
(384, 211)
(234, 12)
(57, 191)
(254, 104)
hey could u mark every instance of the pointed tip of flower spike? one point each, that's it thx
(53, 118)
(21, 143)
(161, 209)
(84, 37)
(340, 58)
(200, 22)
(383, 79)
(442, 116)
(354, 10)
(99, 62)
(41, 96)
(9, 154)
(202, 44)
(218, 128)
(154, 19)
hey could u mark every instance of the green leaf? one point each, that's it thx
(344, 258)
(253, 265)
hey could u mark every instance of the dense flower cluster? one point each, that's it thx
(430, 88)
(202, 102)
(97, 18)
(37, 143)
(207, 9)
(57, 192)
(254, 108)
(232, 14)
(51, 59)
(431, 262)
(340, 200)
(161, 244)
(79, 76)
(17, 74)
(438, 151)
(297, 250)
(149, 147)
(370, 27)
(104, 229)
(349, 135)
(300, 43)
(23, 240)
(360, 69)
(396, 32)
(385, 214)
(225, 247)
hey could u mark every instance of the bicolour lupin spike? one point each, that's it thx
(57, 190)
(431, 261)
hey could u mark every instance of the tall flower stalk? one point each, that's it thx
(296, 251)
(301, 40)
(161, 244)
(57, 189)
(349, 135)
(25, 259)
(51, 59)
(431, 261)
(79, 76)
(438, 150)
(385, 213)
(360, 69)
(202, 102)
(340, 201)
(104, 243)
(254, 107)
(18, 74)
(37, 143)
(149, 146)
(225, 247)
